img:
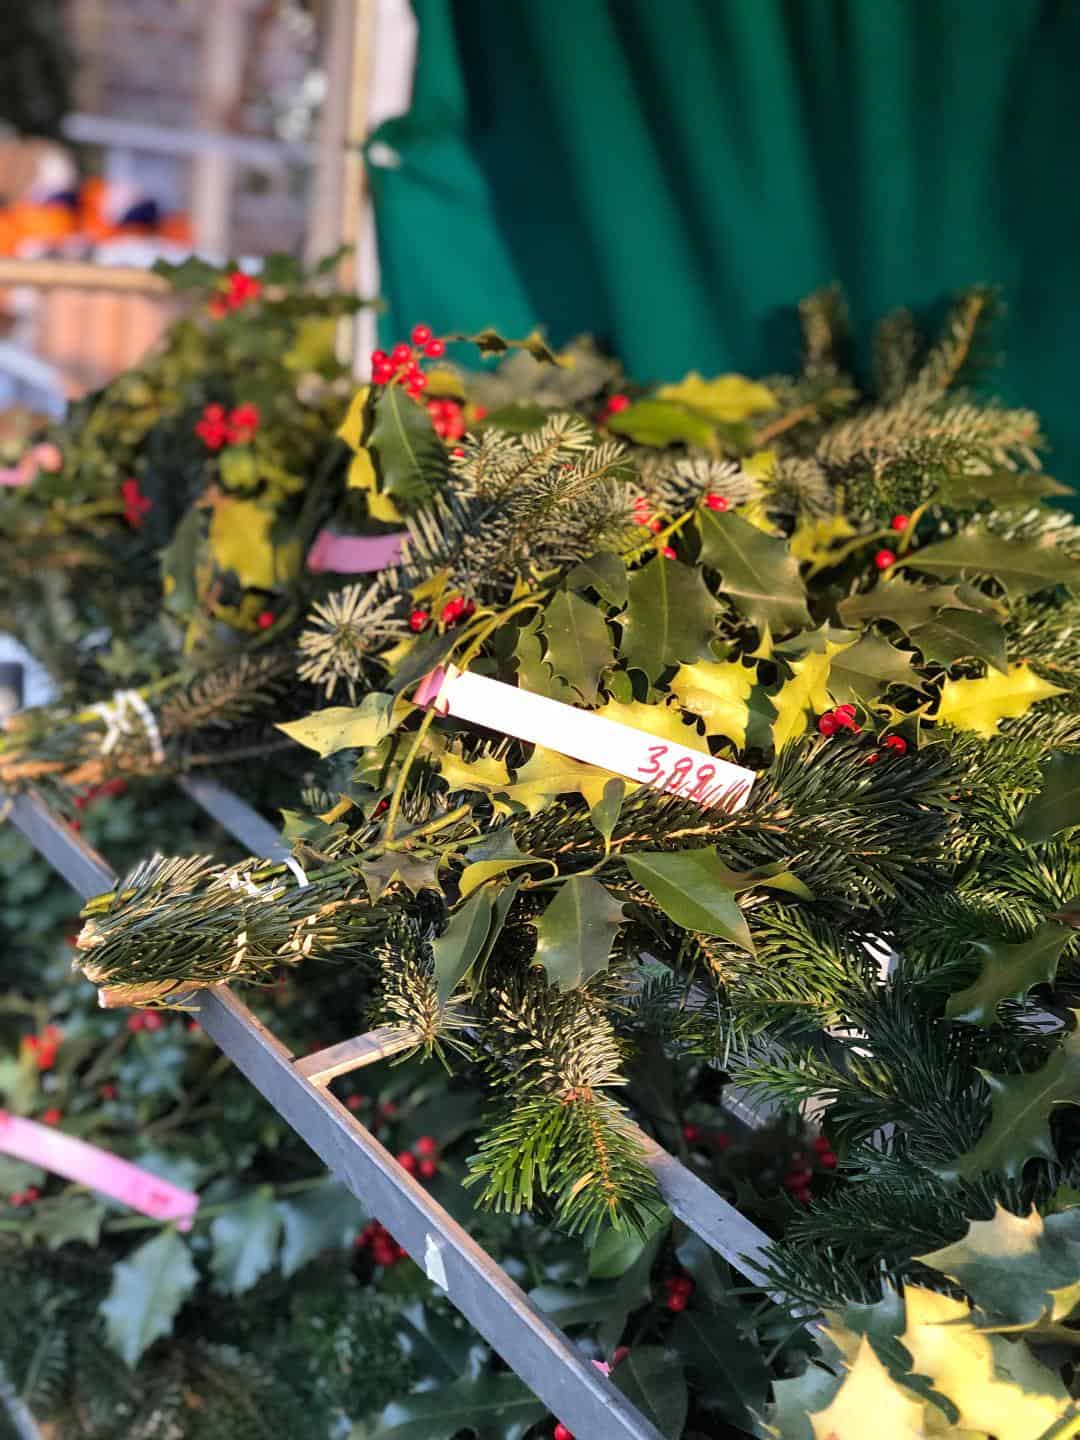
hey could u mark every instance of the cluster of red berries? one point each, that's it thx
(240, 288)
(643, 515)
(422, 1159)
(25, 1197)
(43, 1047)
(384, 1248)
(448, 418)
(402, 365)
(136, 504)
(799, 1178)
(454, 610)
(613, 405)
(896, 743)
(842, 718)
(218, 427)
(694, 1135)
(713, 501)
(678, 1289)
(106, 791)
(144, 1020)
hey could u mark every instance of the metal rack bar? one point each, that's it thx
(537, 1350)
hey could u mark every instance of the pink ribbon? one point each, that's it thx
(96, 1168)
(354, 554)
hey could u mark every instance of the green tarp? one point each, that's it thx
(672, 175)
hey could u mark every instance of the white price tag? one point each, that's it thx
(639, 756)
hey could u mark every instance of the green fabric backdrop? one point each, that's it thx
(672, 175)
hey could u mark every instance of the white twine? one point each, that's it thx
(118, 714)
(298, 871)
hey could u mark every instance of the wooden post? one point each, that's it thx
(222, 69)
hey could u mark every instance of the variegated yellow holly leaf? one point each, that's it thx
(813, 538)
(381, 507)
(484, 773)
(727, 399)
(718, 692)
(361, 471)
(869, 1402)
(760, 465)
(547, 774)
(240, 541)
(806, 694)
(663, 721)
(352, 427)
(979, 705)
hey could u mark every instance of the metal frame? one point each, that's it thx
(548, 1362)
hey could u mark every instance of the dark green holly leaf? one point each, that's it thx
(662, 422)
(414, 873)
(1021, 567)
(579, 644)
(865, 669)
(1009, 972)
(461, 942)
(575, 933)
(697, 890)
(728, 1372)
(245, 1241)
(67, 1217)
(345, 727)
(147, 1290)
(325, 1218)
(490, 342)
(603, 572)
(1057, 805)
(759, 573)
(652, 1379)
(962, 635)
(670, 617)
(616, 1251)
(18, 1175)
(605, 813)
(1018, 1270)
(493, 1407)
(796, 1400)
(533, 671)
(409, 458)
(905, 602)
(1019, 1128)
(1003, 489)
(497, 853)
(190, 274)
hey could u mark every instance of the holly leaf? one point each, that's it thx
(245, 1241)
(575, 933)
(18, 1175)
(727, 1370)
(759, 573)
(147, 1290)
(719, 692)
(605, 813)
(979, 705)
(497, 853)
(1021, 567)
(727, 399)
(616, 1251)
(805, 694)
(240, 539)
(346, 727)
(863, 670)
(489, 342)
(1019, 1127)
(907, 603)
(579, 645)
(962, 635)
(493, 1407)
(603, 572)
(996, 1386)
(794, 1400)
(67, 1217)
(662, 720)
(868, 1389)
(1009, 972)
(408, 870)
(324, 1218)
(460, 943)
(697, 890)
(1057, 805)
(652, 1380)
(659, 423)
(546, 775)
(533, 671)
(409, 457)
(1020, 1270)
(485, 773)
(1004, 489)
(670, 616)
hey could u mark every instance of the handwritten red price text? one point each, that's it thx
(679, 781)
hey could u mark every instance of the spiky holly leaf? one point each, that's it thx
(546, 775)
(1020, 1270)
(241, 539)
(575, 933)
(660, 422)
(325, 1218)
(245, 1241)
(533, 671)
(652, 1380)
(868, 1389)
(147, 1290)
(1019, 1126)
(996, 1385)
(905, 602)
(697, 890)
(492, 1407)
(1004, 489)
(860, 672)
(603, 572)
(1021, 567)
(728, 1370)
(496, 854)
(662, 720)
(727, 399)
(346, 727)
(1057, 805)
(1009, 971)
(962, 635)
(490, 342)
(485, 773)
(719, 692)
(409, 457)
(980, 705)
(759, 573)
(795, 1400)
(411, 871)
(579, 644)
(60, 1219)
(805, 694)
(670, 617)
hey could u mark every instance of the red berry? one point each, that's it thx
(193, 1026)
(656, 526)
(407, 1160)
(108, 1092)
(717, 502)
(821, 1145)
(848, 710)
(897, 743)
(617, 403)
(900, 522)
(620, 1354)
(691, 1134)
(668, 552)
(677, 1301)
(135, 1022)
(32, 1194)
(75, 825)
(152, 1021)
(827, 1160)
(721, 1141)
(421, 334)
(16, 1198)
(354, 1102)
(798, 1179)
(561, 1433)
(52, 1116)
(417, 382)
(382, 374)
(427, 1145)
(884, 558)
(872, 759)
(379, 357)
(434, 349)
(401, 354)
(457, 452)
(265, 619)
(802, 1196)
(418, 621)
(428, 1169)
(845, 719)
(828, 724)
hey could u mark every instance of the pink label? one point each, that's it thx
(90, 1165)
(354, 554)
